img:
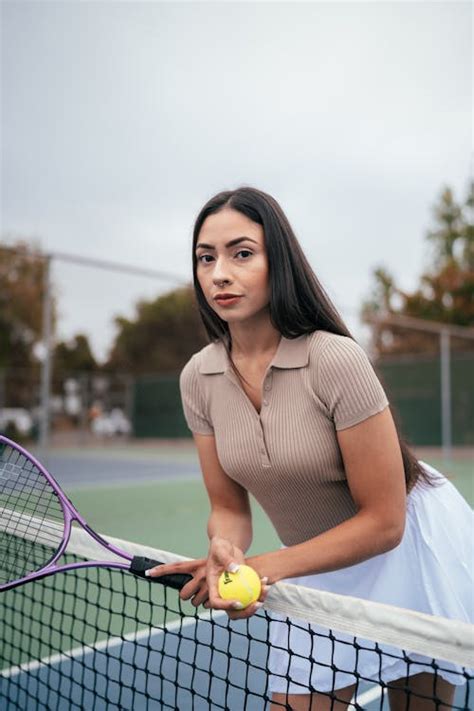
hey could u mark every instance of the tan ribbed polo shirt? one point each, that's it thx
(287, 456)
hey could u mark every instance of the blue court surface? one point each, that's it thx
(160, 670)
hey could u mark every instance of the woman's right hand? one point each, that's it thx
(196, 589)
(203, 588)
(224, 555)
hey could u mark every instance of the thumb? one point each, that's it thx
(224, 555)
(232, 567)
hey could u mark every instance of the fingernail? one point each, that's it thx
(233, 567)
(258, 605)
(237, 606)
(148, 572)
(265, 580)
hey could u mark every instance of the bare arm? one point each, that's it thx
(230, 516)
(374, 469)
(229, 530)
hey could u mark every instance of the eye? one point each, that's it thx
(203, 258)
(246, 252)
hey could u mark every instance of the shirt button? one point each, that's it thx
(267, 386)
(265, 402)
(262, 451)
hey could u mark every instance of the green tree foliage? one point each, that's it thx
(74, 356)
(22, 274)
(445, 292)
(21, 299)
(161, 337)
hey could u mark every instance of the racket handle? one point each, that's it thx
(176, 580)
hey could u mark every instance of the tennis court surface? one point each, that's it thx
(103, 639)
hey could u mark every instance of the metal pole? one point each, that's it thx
(83, 416)
(129, 401)
(2, 390)
(446, 424)
(46, 364)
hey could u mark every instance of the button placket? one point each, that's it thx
(261, 440)
(267, 386)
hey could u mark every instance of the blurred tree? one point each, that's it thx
(446, 290)
(162, 336)
(21, 303)
(21, 300)
(74, 356)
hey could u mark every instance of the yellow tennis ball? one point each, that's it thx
(244, 585)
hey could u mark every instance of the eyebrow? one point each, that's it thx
(232, 243)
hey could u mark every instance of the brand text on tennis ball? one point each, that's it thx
(244, 585)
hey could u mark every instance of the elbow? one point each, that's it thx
(392, 535)
(385, 532)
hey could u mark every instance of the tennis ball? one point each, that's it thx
(244, 585)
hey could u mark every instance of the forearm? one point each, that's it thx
(353, 541)
(235, 527)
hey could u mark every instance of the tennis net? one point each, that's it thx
(97, 638)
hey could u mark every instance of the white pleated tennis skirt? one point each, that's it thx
(430, 571)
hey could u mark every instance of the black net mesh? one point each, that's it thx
(99, 638)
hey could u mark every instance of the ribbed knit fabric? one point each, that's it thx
(287, 456)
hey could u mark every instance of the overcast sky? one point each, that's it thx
(120, 119)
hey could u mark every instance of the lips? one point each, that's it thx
(226, 299)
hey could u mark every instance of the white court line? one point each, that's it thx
(97, 647)
(368, 696)
(57, 659)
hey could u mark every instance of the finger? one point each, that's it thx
(223, 554)
(218, 603)
(191, 588)
(214, 572)
(246, 613)
(187, 566)
(264, 592)
(200, 597)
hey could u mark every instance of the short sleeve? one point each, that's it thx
(348, 384)
(194, 407)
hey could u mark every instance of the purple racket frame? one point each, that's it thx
(135, 564)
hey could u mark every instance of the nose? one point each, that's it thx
(221, 272)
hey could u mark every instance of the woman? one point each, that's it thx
(285, 405)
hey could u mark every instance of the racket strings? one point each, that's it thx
(30, 515)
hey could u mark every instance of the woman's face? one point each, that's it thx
(232, 264)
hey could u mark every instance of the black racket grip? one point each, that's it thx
(176, 581)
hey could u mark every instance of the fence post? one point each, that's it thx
(46, 363)
(446, 423)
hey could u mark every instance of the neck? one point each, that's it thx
(253, 340)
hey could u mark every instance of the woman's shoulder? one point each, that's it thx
(320, 341)
(198, 360)
(333, 352)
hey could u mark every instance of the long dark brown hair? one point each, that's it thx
(298, 302)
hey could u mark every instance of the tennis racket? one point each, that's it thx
(36, 518)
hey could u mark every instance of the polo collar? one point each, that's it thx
(291, 353)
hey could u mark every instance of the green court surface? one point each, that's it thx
(461, 474)
(167, 515)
